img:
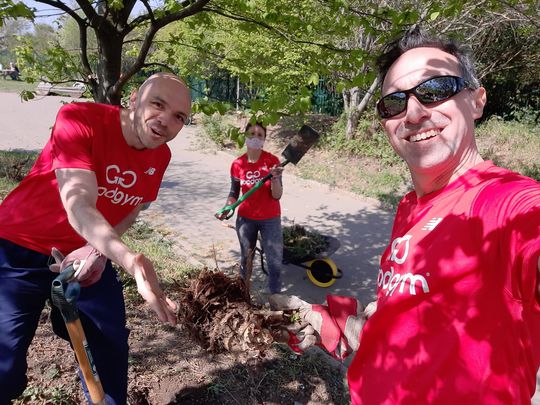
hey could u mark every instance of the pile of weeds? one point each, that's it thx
(300, 244)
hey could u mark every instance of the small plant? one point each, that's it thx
(49, 396)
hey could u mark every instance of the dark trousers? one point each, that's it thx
(271, 242)
(25, 285)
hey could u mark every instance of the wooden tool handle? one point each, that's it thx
(86, 363)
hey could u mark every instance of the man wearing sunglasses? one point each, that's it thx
(457, 315)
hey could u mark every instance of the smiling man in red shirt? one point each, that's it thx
(100, 167)
(457, 316)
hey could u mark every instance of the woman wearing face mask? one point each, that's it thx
(261, 212)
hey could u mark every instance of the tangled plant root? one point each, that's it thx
(217, 309)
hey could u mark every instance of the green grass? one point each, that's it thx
(15, 86)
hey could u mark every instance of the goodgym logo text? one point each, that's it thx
(125, 179)
(390, 281)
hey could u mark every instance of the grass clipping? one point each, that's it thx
(217, 310)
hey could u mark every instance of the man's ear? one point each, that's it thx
(479, 102)
(132, 100)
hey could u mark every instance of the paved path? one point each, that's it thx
(195, 187)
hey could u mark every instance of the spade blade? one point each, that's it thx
(300, 144)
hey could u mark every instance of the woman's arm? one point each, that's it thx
(276, 185)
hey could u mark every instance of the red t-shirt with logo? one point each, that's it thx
(260, 204)
(85, 136)
(457, 319)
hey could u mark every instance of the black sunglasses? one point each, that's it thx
(431, 91)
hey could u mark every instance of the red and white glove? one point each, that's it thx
(87, 262)
(315, 326)
(336, 326)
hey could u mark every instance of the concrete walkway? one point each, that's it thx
(195, 187)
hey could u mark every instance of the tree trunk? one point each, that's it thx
(109, 67)
(356, 107)
(353, 95)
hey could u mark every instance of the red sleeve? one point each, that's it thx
(71, 139)
(519, 218)
(236, 168)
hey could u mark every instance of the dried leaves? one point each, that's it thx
(217, 310)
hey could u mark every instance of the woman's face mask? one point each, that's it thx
(254, 143)
(255, 137)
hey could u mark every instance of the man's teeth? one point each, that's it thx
(423, 135)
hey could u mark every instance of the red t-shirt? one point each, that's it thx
(457, 319)
(260, 204)
(85, 136)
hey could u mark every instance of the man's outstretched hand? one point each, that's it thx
(87, 262)
(149, 288)
(335, 326)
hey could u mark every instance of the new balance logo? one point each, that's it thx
(150, 171)
(432, 223)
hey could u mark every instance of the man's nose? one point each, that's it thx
(416, 111)
(163, 119)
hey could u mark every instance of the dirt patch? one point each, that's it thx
(168, 366)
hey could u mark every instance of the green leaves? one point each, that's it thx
(9, 9)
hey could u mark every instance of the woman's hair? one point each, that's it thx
(256, 124)
(419, 38)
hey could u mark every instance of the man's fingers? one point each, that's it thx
(307, 331)
(57, 255)
(55, 268)
(173, 305)
(285, 302)
(296, 327)
(307, 342)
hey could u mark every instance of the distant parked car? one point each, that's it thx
(46, 88)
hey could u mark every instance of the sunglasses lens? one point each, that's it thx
(437, 89)
(431, 91)
(392, 104)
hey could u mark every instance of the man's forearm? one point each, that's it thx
(97, 231)
(126, 223)
(78, 191)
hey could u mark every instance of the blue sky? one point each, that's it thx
(45, 14)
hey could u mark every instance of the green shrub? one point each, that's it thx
(216, 127)
(372, 145)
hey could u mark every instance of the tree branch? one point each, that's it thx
(226, 14)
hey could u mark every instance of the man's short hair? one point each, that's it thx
(419, 38)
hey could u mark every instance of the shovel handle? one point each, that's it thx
(64, 296)
(86, 363)
(230, 208)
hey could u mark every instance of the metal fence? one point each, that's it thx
(324, 100)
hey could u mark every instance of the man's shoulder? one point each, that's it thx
(89, 106)
(505, 178)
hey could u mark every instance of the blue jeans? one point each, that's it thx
(25, 285)
(271, 242)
